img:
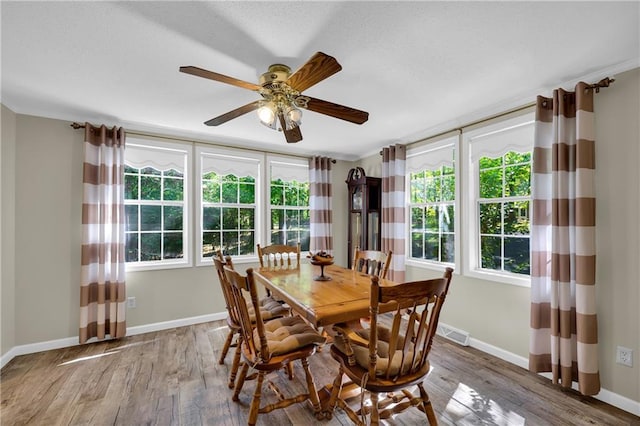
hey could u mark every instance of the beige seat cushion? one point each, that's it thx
(289, 334)
(270, 308)
(385, 356)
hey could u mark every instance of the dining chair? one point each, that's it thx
(389, 359)
(371, 262)
(271, 346)
(279, 255)
(269, 309)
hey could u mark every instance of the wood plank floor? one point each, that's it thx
(172, 377)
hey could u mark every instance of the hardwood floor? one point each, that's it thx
(172, 378)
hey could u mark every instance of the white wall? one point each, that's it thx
(7, 231)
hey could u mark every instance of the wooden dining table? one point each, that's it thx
(343, 298)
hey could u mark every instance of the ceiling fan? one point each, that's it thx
(282, 98)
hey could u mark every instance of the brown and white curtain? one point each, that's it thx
(102, 286)
(564, 331)
(320, 204)
(393, 208)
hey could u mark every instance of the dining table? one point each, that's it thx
(332, 295)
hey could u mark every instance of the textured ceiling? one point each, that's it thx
(418, 68)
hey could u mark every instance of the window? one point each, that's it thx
(156, 204)
(432, 202)
(289, 202)
(499, 200)
(228, 188)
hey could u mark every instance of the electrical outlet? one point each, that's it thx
(131, 302)
(624, 356)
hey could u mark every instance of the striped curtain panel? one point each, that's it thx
(393, 208)
(564, 332)
(320, 204)
(102, 286)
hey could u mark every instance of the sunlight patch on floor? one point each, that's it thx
(488, 410)
(87, 358)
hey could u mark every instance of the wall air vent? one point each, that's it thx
(459, 336)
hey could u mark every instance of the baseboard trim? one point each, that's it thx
(131, 331)
(611, 398)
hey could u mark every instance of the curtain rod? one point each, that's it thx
(605, 82)
(77, 125)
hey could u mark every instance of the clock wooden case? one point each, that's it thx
(365, 195)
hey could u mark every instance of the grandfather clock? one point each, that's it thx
(365, 195)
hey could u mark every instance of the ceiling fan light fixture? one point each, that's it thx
(294, 115)
(267, 113)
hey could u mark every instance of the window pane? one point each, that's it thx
(230, 243)
(210, 192)
(172, 245)
(486, 162)
(417, 218)
(448, 248)
(210, 243)
(305, 239)
(229, 190)
(247, 219)
(290, 195)
(277, 237)
(247, 193)
(304, 194)
(516, 218)
(129, 169)
(277, 219)
(131, 187)
(173, 189)
(490, 218)
(132, 248)
(518, 182)
(516, 255)
(277, 195)
(491, 183)
(448, 188)
(417, 188)
(173, 219)
(292, 219)
(446, 218)
(151, 218)
(305, 219)
(490, 253)
(229, 218)
(150, 247)
(247, 243)
(431, 247)
(512, 157)
(211, 218)
(432, 220)
(131, 214)
(417, 245)
(433, 189)
(150, 188)
(174, 173)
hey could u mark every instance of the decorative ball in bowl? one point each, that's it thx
(321, 259)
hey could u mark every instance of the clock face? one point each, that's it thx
(356, 199)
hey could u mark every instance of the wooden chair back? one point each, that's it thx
(219, 265)
(372, 262)
(413, 335)
(279, 256)
(240, 286)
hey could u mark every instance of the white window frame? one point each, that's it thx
(471, 238)
(171, 148)
(228, 154)
(284, 162)
(429, 154)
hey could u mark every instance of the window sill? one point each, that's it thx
(503, 278)
(154, 266)
(433, 266)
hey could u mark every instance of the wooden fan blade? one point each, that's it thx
(316, 69)
(338, 111)
(233, 114)
(292, 136)
(199, 72)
